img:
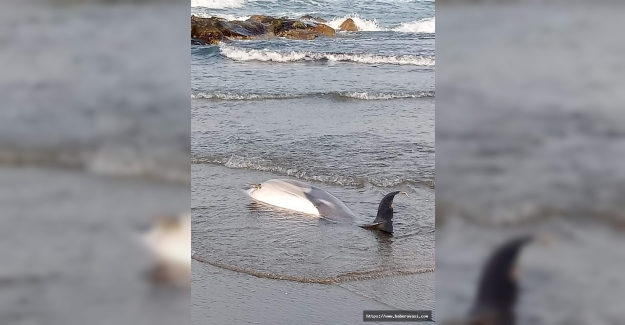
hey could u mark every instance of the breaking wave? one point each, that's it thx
(228, 17)
(235, 96)
(217, 4)
(362, 24)
(265, 165)
(333, 95)
(385, 96)
(266, 55)
(426, 25)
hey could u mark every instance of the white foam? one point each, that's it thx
(239, 54)
(224, 16)
(235, 96)
(361, 23)
(217, 4)
(426, 25)
(387, 96)
(260, 164)
(354, 95)
(376, 59)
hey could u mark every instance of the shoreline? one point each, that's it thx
(265, 301)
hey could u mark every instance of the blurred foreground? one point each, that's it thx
(94, 143)
(530, 136)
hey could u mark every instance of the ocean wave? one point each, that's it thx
(235, 96)
(260, 164)
(386, 96)
(334, 95)
(362, 24)
(228, 17)
(426, 26)
(217, 4)
(265, 165)
(266, 55)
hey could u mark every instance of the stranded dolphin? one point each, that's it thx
(299, 196)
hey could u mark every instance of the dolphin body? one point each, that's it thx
(299, 196)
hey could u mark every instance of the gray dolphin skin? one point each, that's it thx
(384, 219)
(299, 196)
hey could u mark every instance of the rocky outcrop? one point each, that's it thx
(304, 34)
(242, 29)
(262, 19)
(309, 17)
(349, 25)
(206, 30)
(214, 30)
(324, 30)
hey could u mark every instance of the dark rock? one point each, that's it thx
(317, 19)
(275, 26)
(256, 28)
(299, 25)
(214, 30)
(289, 24)
(262, 19)
(241, 29)
(304, 34)
(209, 35)
(206, 30)
(324, 30)
(349, 25)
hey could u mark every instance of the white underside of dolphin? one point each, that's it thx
(301, 197)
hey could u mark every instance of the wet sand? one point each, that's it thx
(224, 297)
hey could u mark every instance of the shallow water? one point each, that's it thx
(392, 144)
(279, 302)
(353, 115)
(229, 227)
